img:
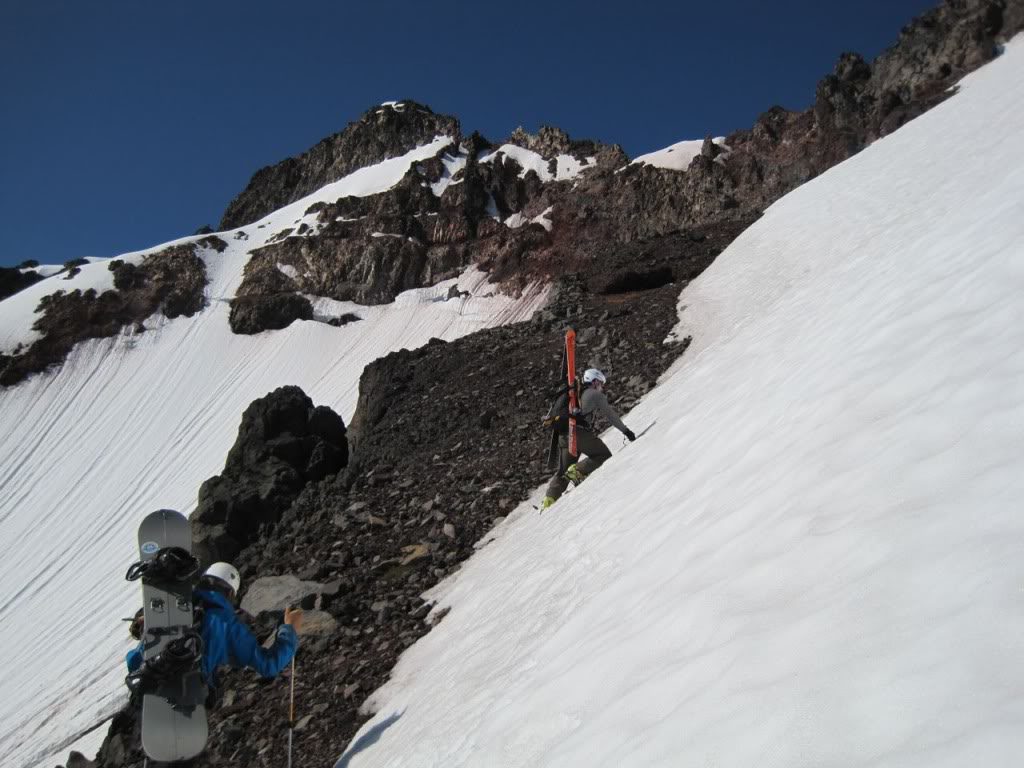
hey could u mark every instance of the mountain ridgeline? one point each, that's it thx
(445, 439)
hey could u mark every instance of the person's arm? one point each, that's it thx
(134, 658)
(247, 651)
(602, 406)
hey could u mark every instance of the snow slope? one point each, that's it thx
(814, 556)
(676, 157)
(566, 166)
(136, 423)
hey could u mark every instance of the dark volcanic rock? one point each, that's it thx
(369, 270)
(550, 142)
(283, 444)
(446, 438)
(78, 760)
(12, 280)
(170, 282)
(384, 131)
(858, 103)
(252, 314)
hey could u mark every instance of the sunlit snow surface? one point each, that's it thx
(814, 558)
(676, 157)
(136, 423)
(566, 166)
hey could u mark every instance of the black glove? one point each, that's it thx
(629, 435)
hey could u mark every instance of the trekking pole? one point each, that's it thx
(291, 715)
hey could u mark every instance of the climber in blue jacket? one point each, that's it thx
(226, 640)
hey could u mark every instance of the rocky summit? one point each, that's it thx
(356, 522)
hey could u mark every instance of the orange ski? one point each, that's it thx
(574, 403)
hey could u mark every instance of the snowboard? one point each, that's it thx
(173, 706)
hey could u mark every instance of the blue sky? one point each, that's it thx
(126, 124)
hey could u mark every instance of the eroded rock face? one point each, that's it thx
(283, 444)
(170, 282)
(446, 437)
(369, 249)
(383, 132)
(860, 102)
(253, 314)
(551, 142)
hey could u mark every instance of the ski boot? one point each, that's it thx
(547, 502)
(573, 474)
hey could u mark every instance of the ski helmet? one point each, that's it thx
(592, 374)
(226, 573)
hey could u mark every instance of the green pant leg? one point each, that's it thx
(558, 483)
(593, 447)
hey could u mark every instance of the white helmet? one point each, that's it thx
(592, 375)
(227, 573)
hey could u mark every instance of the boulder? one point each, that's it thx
(275, 593)
(253, 314)
(284, 443)
(78, 760)
(318, 624)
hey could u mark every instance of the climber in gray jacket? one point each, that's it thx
(593, 404)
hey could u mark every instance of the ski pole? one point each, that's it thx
(291, 715)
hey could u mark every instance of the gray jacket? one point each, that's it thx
(594, 404)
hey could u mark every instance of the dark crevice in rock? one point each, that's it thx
(640, 281)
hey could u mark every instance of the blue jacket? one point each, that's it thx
(226, 640)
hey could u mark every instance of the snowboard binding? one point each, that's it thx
(178, 657)
(169, 564)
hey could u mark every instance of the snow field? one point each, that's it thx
(136, 423)
(813, 558)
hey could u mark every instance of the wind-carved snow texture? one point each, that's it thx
(814, 556)
(137, 423)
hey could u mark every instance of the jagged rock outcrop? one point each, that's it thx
(283, 444)
(268, 312)
(13, 279)
(369, 249)
(860, 102)
(551, 142)
(170, 281)
(854, 105)
(385, 131)
(446, 437)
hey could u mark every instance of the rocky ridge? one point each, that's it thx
(386, 131)
(445, 438)
(369, 249)
(170, 282)
(284, 443)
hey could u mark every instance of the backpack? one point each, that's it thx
(558, 414)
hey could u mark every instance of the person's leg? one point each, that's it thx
(559, 483)
(593, 447)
